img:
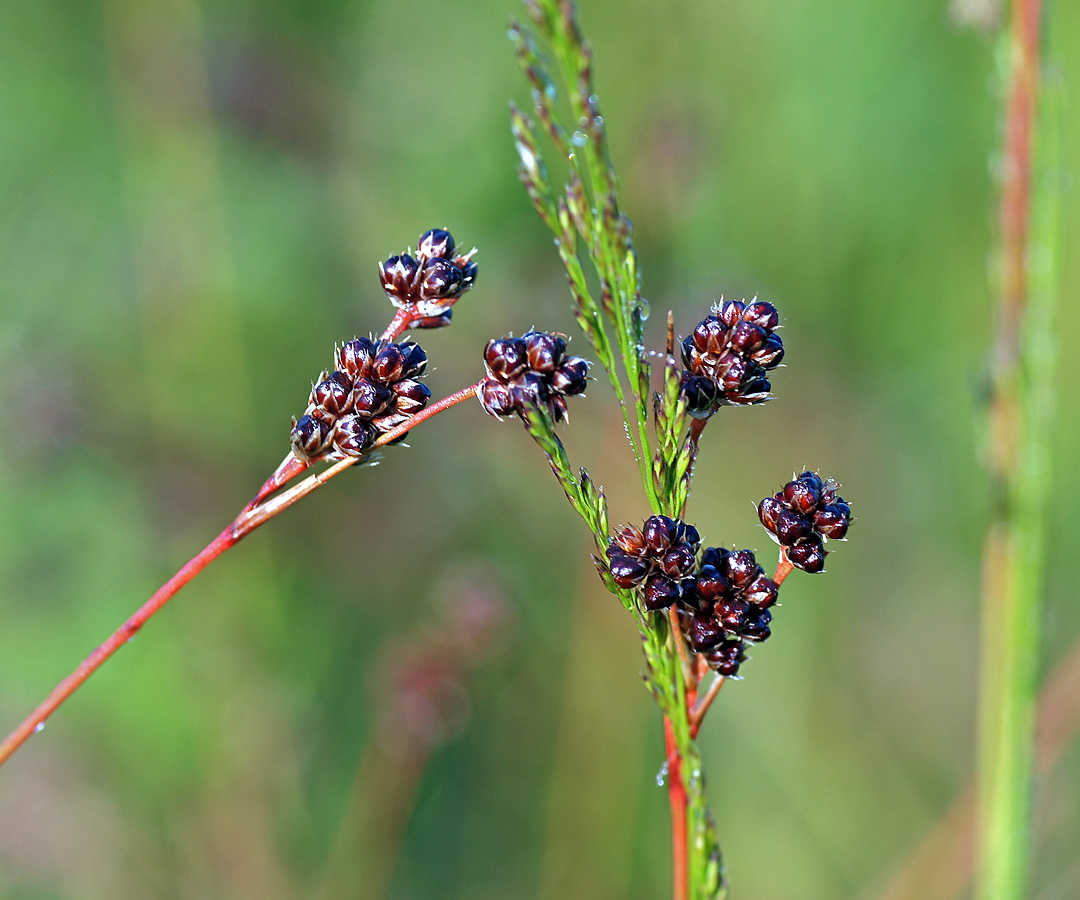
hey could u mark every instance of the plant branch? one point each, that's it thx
(250, 518)
(697, 714)
(677, 800)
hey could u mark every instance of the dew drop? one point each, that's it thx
(583, 121)
(593, 99)
(578, 139)
(549, 89)
(39, 727)
(599, 120)
(644, 308)
(662, 775)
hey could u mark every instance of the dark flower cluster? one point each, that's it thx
(374, 389)
(727, 355)
(728, 606)
(722, 603)
(802, 516)
(533, 368)
(430, 282)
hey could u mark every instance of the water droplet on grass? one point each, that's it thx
(662, 775)
(39, 727)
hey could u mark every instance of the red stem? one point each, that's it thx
(401, 322)
(680, 889)
(697, 713)
(250, 518)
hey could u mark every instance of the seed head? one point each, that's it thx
(375, 389)
(428, 284)
(726, 357)
(530, 370)
(803, 515)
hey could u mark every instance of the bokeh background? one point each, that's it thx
(412, 685)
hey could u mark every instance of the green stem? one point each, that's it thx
(1020, 418)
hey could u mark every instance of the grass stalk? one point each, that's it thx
(1021, 401)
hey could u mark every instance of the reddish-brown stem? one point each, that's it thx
(680, 644)
(250, 518)
(783, 567)
(697, 714)
(677, 799)
(289, 468)
(401, 323)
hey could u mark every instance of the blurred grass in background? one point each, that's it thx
(193, 198)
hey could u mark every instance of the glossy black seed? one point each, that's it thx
(808, 555)
(756, 626)
(710, 336)
(792, 527)
(814, 480)
(678, 562)
(415, 359)
(768, 511)
(370, 398)
(689, 534)
(802, 495)
(411, 396)
(660, 592)
(770, 354)
(435, 243)
(747, 337)
(659, 532)
(545, 351)
(356, 356)
(529, 387)
(762, 314)
(334, 394)
(389, 364)
(506, 358)
(353, 435)
(571, 377)
(496, 398)
(754, 388)
(468, 273)
(627, 571)
(399, 277)
(440, 279)
(557, 408)
(731, 612)
(309, 437)
(742, 568)
(725, 658)
(730, 312)
(711, 584)
(716, 557)
(762, 591)
(701, 394)
(705, 632)
(831, 522)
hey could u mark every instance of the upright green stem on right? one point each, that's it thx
(1021, 402)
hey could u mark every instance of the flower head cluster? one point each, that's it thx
(727, 355)
(658, 558)
(722, 603)
(428, 283)
(728, 606)
(803, 515)
(374, 389)
(533, 368)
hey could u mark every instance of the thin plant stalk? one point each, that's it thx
(1019, 430)
(250, 518)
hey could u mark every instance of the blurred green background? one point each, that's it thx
(193, 198)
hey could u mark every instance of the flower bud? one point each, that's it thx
(334, 394)
(545, 351)
(659, 532)
(440, 279)
(400, 279)
(370, 398)
(505, 358)
(627, 571)
(353, 436)
(705, 632)
(309, 438)
(660, 592)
